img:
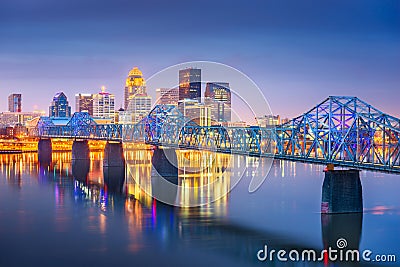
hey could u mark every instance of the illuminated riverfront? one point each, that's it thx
(237, 224)
(168, 179)
(199, 133)
(31, 145)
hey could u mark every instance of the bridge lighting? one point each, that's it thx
(344, 130)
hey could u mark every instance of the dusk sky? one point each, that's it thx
(297, 52)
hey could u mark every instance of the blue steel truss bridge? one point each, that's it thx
(342, 130)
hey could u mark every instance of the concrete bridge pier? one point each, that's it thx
(80, 150)
(80, 160)
(45, 158)
(113, 155)
(342, 192)
(347, 226)
(114, 167)
(165, 163)
(164, 175)
(45, 151)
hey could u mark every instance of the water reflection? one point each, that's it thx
(80, 169)
(181, 177)
(82, 201)
(13, 168)
(336, 226)
(114, 178)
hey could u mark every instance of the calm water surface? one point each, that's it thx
(62, 214)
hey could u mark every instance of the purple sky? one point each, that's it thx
(297, 52)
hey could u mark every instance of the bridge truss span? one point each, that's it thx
(345, 131)
(342, 130)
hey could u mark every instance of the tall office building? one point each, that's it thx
(123, 117)
(139, 106)
(195, 111)
(134, 84)
(59, 106)
(218, 97)
(268, 120)
(15, 103)
(167, 96)
(104, 105)
(84, 103)
(190, 84)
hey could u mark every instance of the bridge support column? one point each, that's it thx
(80, 160)
(165, 162)
(342, 192)
(164, 174)
(336, 226)
(114, 167)
(45, 151)
(80, 149)
(113, 155)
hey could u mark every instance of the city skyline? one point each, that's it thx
(199, 133)
(297, 52)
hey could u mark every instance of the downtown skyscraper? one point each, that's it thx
(59, 106)
(15, 103)
(136, 101)
(167, 96)
(84, 103)
(218, 97)
(134, 84)
(104, 105)
(190, 84)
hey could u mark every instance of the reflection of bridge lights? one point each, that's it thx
(93, 194)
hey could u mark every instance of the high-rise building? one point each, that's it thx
(84, 103)
(104, 105)
(136, 101)
(139, 106)
(59, 106)
(123, 117)
(195, 111)
(15, 103)
(268, 120)
(218, 97)
(167, 96)
(134, 84)
(190, 84)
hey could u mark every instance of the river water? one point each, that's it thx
(57, 214)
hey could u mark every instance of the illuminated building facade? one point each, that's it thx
(268, 120)
(195, 111)
(123, 117)
(59, 106)
(84, 103)
(15, 103)
(104, 105)
(190, 84)
(167, 96)
(234, 124)
(139, 106)
(285, 120)
(218, 97)
(134, 84)
(13, 118)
